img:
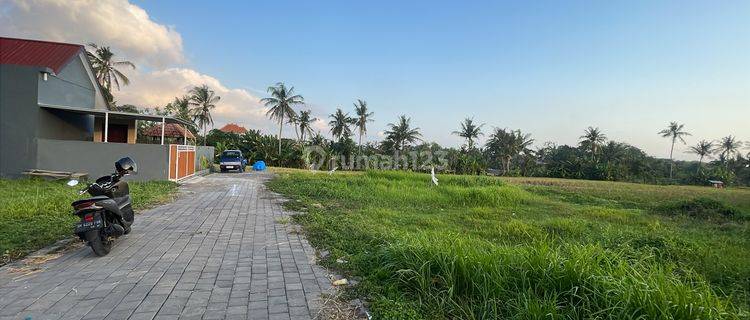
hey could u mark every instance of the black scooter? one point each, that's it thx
(108, 214)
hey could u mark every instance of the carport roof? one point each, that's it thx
(116, 114)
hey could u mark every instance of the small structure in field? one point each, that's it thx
(716, 184)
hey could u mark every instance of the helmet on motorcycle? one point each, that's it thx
(126, 166)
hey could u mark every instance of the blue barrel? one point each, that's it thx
(259, 165)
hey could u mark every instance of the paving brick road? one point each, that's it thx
(218, 252)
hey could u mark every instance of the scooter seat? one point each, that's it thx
(92, 199)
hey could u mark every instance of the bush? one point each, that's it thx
(701, 208)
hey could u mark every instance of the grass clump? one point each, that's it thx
(483, 248)
(35, 212)
(701, 208)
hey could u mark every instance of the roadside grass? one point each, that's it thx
(483, 248)
(35, 213)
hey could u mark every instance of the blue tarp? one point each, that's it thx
(259, 166)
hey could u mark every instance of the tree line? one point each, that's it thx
(506, 152)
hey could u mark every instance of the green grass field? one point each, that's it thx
(520, 248)
(35, 213)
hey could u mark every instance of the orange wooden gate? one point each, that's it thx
(181, 161)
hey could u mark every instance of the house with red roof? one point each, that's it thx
(233, 128)
(53, 115)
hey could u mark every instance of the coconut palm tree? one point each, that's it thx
(304, 123)
(204, 100)
(727, 147)
(402, 133)
(106, 69)
(593, 138)
(674, 131)
(180, 108)
(469, 131)
(363, 117)
(280, 105)
(340, 123)
(703, 149)
(504, 144)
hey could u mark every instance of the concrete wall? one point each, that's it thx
(19, 117)
(201, 151)
(58, 124)
(71, 87)
(98, 158)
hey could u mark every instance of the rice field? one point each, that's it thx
(522, 248)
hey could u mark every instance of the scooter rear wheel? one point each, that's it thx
(101, 247)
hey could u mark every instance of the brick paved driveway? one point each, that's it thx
(217, 252)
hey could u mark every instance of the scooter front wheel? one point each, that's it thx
(101, 247)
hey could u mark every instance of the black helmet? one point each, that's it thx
(126, 166)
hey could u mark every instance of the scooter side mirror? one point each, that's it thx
(72, 182)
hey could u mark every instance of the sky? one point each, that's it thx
(549, 68)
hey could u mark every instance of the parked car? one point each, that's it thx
(232, 160)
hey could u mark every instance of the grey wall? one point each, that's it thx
(98, 158)
(207, 152)
(19, 116)
(58, 124)
(71, 87)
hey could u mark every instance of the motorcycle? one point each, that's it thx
(108, 214)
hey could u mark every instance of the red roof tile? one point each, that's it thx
(53, 55)
(170, 130)
(233, 128)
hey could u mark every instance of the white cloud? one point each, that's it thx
(130, 31)
(157, 88)
(125, 27)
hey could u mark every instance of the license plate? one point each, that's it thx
(89, 225)
(230, 167)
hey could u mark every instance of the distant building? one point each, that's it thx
(233, 128)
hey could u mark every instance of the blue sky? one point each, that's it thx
(550, 68)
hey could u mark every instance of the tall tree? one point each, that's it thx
(469, 131)
(204, 100)
(593, 138)
(727, 147)
(504, 144)
(340, 123)
(180, 108)
(280, 105)
(401, 133)
(674, 131)
(363, 117)
(106, 70)
(304, 122)
(703, 149)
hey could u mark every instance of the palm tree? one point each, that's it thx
(204, 100)
(280, 105)
(674, 131)
(727, 147)
(304, 122)
(106, 69)
(340, 123)
(593, 138)
(180, 108)
(469, 131)
(703, 149)
(505, 144)
(402, 133)
(363, 117)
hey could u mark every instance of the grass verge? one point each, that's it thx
(35, 212)
(483, 248)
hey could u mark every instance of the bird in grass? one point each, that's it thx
(434, 178)
(332, 170)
